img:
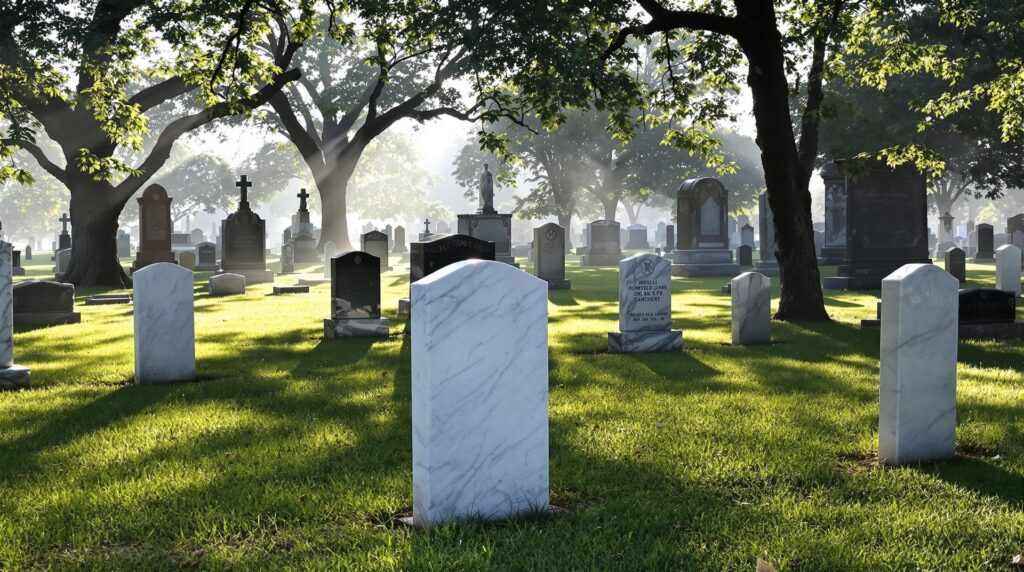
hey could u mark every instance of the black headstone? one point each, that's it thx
(745, 255)
(986, 306)
(43, 296)
(702, 207)
(28, 252)
(955, 260)
(206, 254)
(435, 253)
(355, 285)
(244, 236)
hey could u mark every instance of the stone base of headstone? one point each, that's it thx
(706, 262)
(305, 251)
(559, 284)
(291, 289)
(876, 321)
(638, 245)
(356, 327)
(601, 259)
(404, 306)
(994, 331)
(108, 299)
(645, 341)
(39, 319)
(18, 271)
(496, 228)
(15, 377)
(866, 276)
(983, 258)
(832, 256)
(941, 248)
(767, 268)
(206, 267)
(313, 281)
(252, 276)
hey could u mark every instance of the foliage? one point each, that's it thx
(391, 183)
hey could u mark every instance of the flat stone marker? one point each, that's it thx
(955, 260)
(1008, 269)
(227, 285)
(108, 299)
(165, 339)
(291, 289)
(917, 400)
(751, 309)
(479, 393)
(645, 307)
(12, 376)
(44, 303)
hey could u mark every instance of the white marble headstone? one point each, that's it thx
(751, 309)
(917, 400)
(479, 393)
(1008, 269)
(63, 261)
(6, 305)
(226, 284)
(645, 293)
(330, 251)
(165, 341)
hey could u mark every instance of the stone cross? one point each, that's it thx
(244, 184)
(917, 397)
(303, 195)
(426, 225)
(65, 219)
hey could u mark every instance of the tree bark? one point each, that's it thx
(565, 221)
(333, 187)
(94, 213)
(801, 296)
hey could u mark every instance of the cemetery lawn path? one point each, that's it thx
(294, 452)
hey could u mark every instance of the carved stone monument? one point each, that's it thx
(702, 245)
(245, 240)
(488, 224)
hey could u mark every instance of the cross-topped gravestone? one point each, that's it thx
(64, 240)
(245, 239)
(244, 184)
(303, 195)
(64, 219)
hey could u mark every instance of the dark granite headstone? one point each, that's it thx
(955, 260)
(834, 248)
(986, 305)
(28, 252)
(64, 240)
(154, 228)
(604, 244)
(206, 256)
(670, 237)
(745, 255)
(548, 254)
(702, 237)
(42, 303)
(245, 239)
(986, 243)
(886, 225)
(355, 285)
(1015, 231)
(437, 252)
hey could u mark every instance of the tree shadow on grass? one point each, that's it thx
(983, 476)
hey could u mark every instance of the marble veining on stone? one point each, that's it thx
(751, 309)
(917, 399)
(645, 306)
(479, 393)
(6, 306)
(165, 347)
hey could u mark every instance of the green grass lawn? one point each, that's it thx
(295, 452)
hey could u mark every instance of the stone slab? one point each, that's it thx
(227, 284)
(291, 289)
(650, 341)
(253, 276)
(356, 327)
(15, 377)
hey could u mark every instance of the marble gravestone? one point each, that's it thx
(548, 255)
(124, 244)
(947, 235)
(154, 228)
(604, 247)
(955, 260)
(187, 260)
(44, 303)
(833, 251)
(637, 237)
(986, 251)
(917, 396)
(702, 242)
(226, 284)
(206, 257)
(1008, 269)
(375, 242)
(400, 247)
(645, 307)
(479, 453)
(355, 297)
(244, 236)
(12, 376)
(747, 236)
(164, 308)
(745, 255)
(886, 225)
(63, 261)
(287, 259)
(751, 309)
(768, 265)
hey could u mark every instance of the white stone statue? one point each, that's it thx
(486, 192)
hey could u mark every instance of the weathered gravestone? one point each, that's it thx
(28, 252)
(16, 269)
(747, 236)
(479, 453)
(833, 251)
(604, 247)
(124, 244)
(63, 262)
(917, 401)
(670, 238)
(12, 376)
(702, 245)
(400, 247)
(745, 255)
(637, 237)
(947, 235)
(751, 309)
(986, 244)
(886, 225)
(187, 260)
(1008, 269)
(196, 236)
(164, 308)
(390, 231)
(375, 242)
(301, 232)
(955, 260)
(355, 297)
(548, 254)
(287, 259)
(987, 313)
(206, 257)
(1015, 231)
(154, 228)
(227, 284)
(768, 265)
(645, 307)
(42, 303)
(244, 236)
(64, 240)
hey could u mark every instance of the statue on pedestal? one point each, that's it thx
(486, 192)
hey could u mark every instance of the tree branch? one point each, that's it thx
(40, 157)
(307, 146)
(664, 20)
(162, 92)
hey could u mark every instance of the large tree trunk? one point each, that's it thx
(801, 297)
(94, 212)
(565, 221)
(333, 187)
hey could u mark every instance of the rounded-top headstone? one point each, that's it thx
(164, 316)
